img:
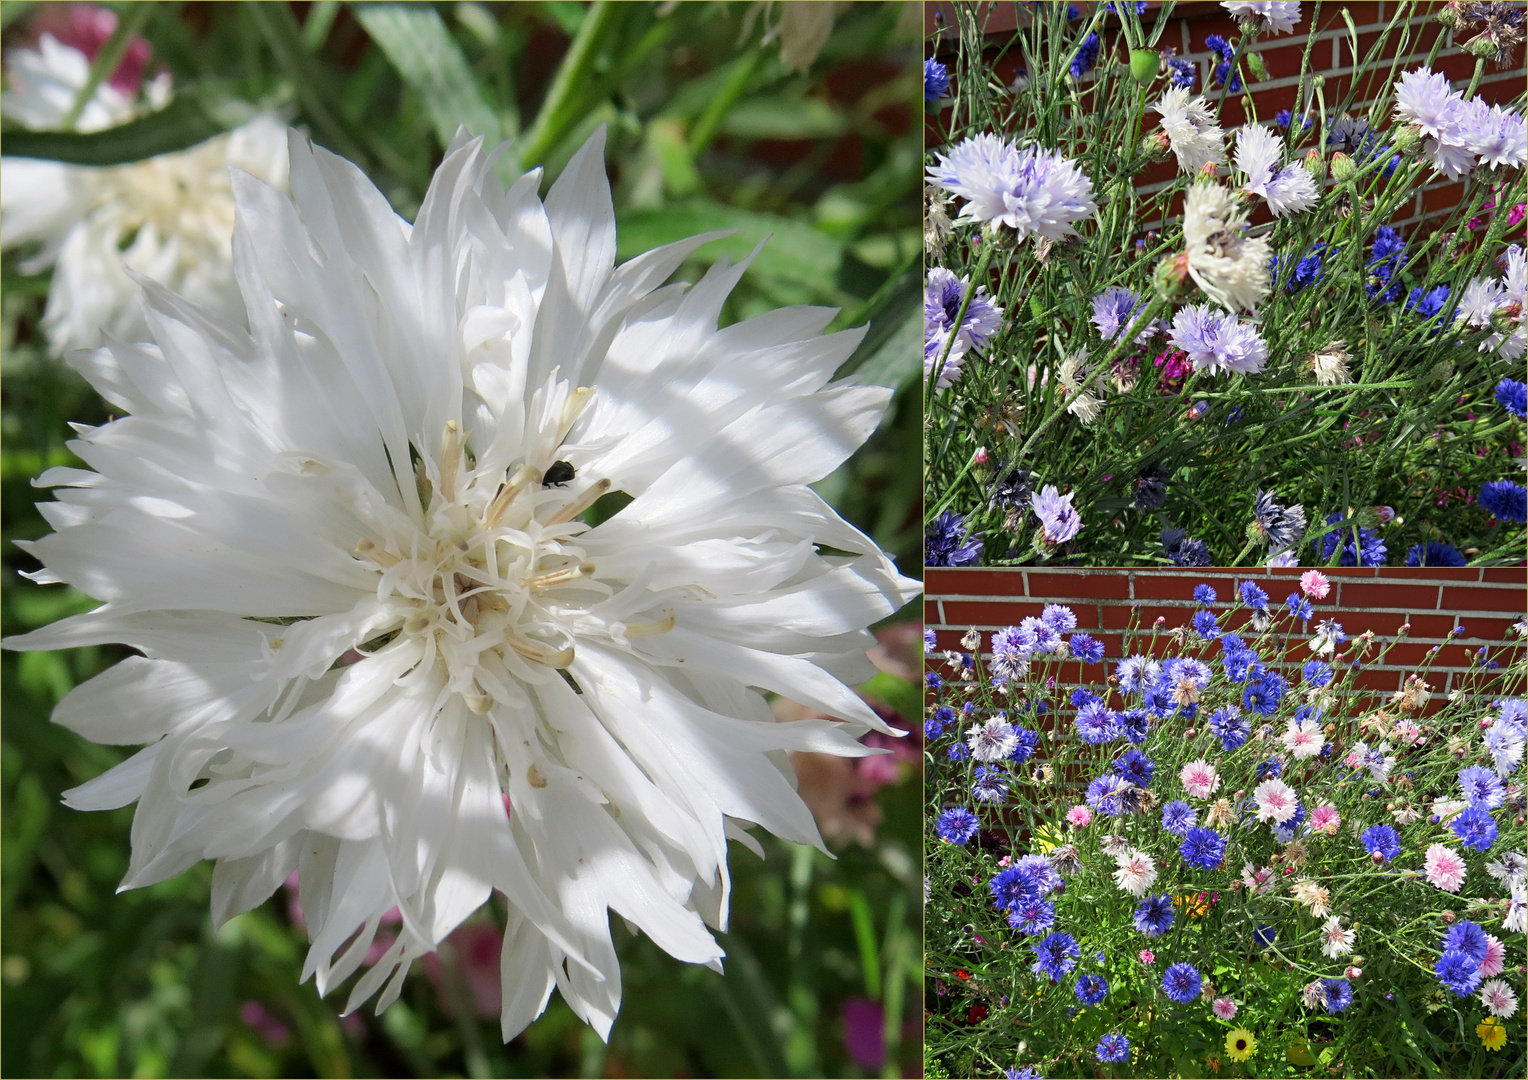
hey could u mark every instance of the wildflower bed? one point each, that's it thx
(1216, 854)
(1248, 363)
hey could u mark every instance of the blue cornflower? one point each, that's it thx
(1136, 725)
(944, 714)
(1263, 696)
(932, 680)
(1181, 982)
(1481, 787)
(1299, 607)
(1096, 724)
(1316, 673)
(1135, 767)
(1425, 302)
(1203, 848)
(1060, 618)
(1103, 795)
(932, 729)
(1056, 954)
(1388, 256)
(1113, 1047)
(1228, 726)
(930, 642)
(1336, 994)
(936, 80)
(1381, 840)
(1513, 396)
(1088, 650)
(1184, 73)
(1253, 596)
(1205, 625)
(1474, 828)
(991, 785)
(1265, 934)
(1505, 500)
(1434, 553)
(1013, 884)
(1090, 989)
(956, 825)
(1045, 876)
(1178, 817)
(949, 544)
(958, 751)
(1026, 1073)
(1083, 696)
(1189, 551)
(1154, 915)
(1115, 312)
(1204, 594)
(1085, 57)
(1024, 749)
(1467, 938)
(1458, 971)
(1032, 915)
(1136, 672)
(1367, 549)
(1273, 767)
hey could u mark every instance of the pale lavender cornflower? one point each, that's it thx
(942, 296)
(1032, 191)
(1289, 189)
(1218, 342)
(1495, 135)
(1117, 311)
(1424, 98)
(1280, 16)
(1058, 521)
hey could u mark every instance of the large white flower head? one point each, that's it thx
(1288, 188)
(168, 219)
(1195, 138)
(1229, 266)
(382, 647)
(1031, 191)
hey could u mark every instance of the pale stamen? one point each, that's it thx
(508, 493)
(560, 577)
(580, 504)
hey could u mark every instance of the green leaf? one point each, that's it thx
(11, 9)
(795, 251)
(899, 694)
(415, 39)
(889, 353)
(194, 116)
(784, 118)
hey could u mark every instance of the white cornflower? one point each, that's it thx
(168, 219)
(1516, 919)
(1329, 365)
(1498, 997)
(1031, 191)
(1136, 871)
(1302, 739)
(1191, 130)
(1335, 941)
(1070, 377)
(1313, 896)
(1280, 16)
(1484, 298)
(391, 465)
(1511, 869)
(1229, 266)
(1276, 801)
(1288, 189)
(992, 741)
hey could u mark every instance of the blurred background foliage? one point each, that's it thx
(796, 122)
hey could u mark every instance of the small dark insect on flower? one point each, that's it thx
(557, 474)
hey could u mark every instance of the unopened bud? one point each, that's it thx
(980, 457)
(1448, 918)
(1144, 65)
(1404, 137)
(1342, 167)
(1354, 972)
(1169, 275)
(1208, 172)
(1161, 621)
(1156, 145)
(1255, 63)
(1483, 46)
(1378, 856)
(1315, 164)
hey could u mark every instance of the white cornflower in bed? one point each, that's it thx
(1289, 189)
(1195, 138)
(1229, 266)
(1280, 16)
(382, 647)
(168, 219)
(1031, 191)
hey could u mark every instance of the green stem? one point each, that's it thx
(108, 58)
(557, 115)
(710, 121)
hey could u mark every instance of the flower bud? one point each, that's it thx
(1378, 857)
(1315, 164)
(1483, 46)
(1404, 138)
(1354, 972)
(1448, 918)
(1144, 65)
(1342, 167)
(1156, 145)
(1169, 275)
(1255, 64)
(1208, 172)
(1161, 621)
(981, 456)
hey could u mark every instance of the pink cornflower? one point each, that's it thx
(1302, 739)
(1496, 957)
(1314, 584)
(1325, 819)
(1147, 956)
(1444, 868)
(1079, 817)
(1275, 801)
(1224, 1008)
(1353, 973)
(1199, 778)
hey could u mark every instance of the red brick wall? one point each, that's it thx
(1192, 22)
(1486, 601)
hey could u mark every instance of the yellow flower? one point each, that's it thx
(1240, 1044)
(1193, 904)
(1492, 1032)
(1044, 839)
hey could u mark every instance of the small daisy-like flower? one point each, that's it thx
(1276, 801)
(1336, 994)
(1381, 840)
(1097, 723)
(1492, 1032)
(1055, 955)
(1058, 521)
(1336, 941)
(1091, 989)
(1444, 868)
(1475, 828)
(1191, 130)
(1458, 971)
(1154, 915)
(1087, 649)
(1499, 998)
(1325, 819)
(1229, 266)
(1135, 873)
(957, 825)
(1178, 817)
(1218, 342)
(1288, 189)
(1136, 672)
(1467, 937)
(1116, 312)
(994, 740)
(1303, 739)
(1223, 1008)
(1495, 959)
(1031, 191)
(1148, 957)
(1199, 778)
(1203, 848)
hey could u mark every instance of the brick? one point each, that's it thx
(1432, 626)
(1441, 200)
(1386, 594)
(962, 581)
(1060, 587)
(931, 612)
(1382, 681)
(1464, 598)
(1511, 575)
(978, 613)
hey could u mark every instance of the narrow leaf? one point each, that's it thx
(417, 42)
